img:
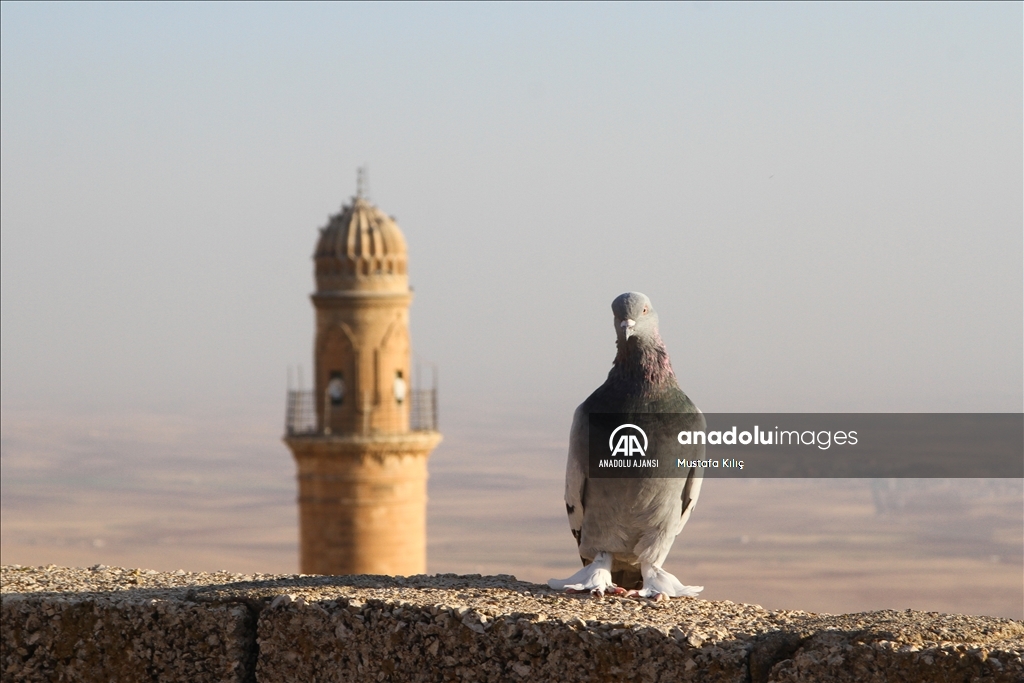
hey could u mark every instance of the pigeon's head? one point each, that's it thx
(634, 317)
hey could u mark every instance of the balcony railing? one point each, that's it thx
(300, 413)
(301, 418)
(423, 410)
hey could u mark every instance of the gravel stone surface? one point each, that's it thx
(110, 623)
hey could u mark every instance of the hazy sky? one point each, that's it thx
(824, 202)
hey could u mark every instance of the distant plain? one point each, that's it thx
(166, 492)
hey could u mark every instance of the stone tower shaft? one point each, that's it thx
(362, 351)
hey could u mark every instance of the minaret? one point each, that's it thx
(362, 462)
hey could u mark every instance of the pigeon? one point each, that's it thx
(625, 527)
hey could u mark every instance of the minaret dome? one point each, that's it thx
(361, 249)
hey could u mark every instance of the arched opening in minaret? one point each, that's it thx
(400, 387)
(336, 388)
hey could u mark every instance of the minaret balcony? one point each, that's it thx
(301, 418)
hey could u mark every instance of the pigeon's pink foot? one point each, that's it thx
(656, 597)
(597, 592)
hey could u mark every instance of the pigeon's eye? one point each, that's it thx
(645, 310)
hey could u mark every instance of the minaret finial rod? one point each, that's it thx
(362, 182)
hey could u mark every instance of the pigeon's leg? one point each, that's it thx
(596, 577)
(658, 582)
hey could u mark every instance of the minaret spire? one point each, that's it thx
(362, 182)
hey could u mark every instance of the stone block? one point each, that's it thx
(128, 636)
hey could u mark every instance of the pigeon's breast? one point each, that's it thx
(619, 513)
(615, 397)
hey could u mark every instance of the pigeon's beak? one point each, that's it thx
(628, 325)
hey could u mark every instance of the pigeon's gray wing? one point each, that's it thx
(576, 472)
(695, 477)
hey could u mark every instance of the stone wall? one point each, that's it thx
(110, 624)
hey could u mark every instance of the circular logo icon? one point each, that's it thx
(627, 444)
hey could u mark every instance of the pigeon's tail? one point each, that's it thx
(627, 576)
